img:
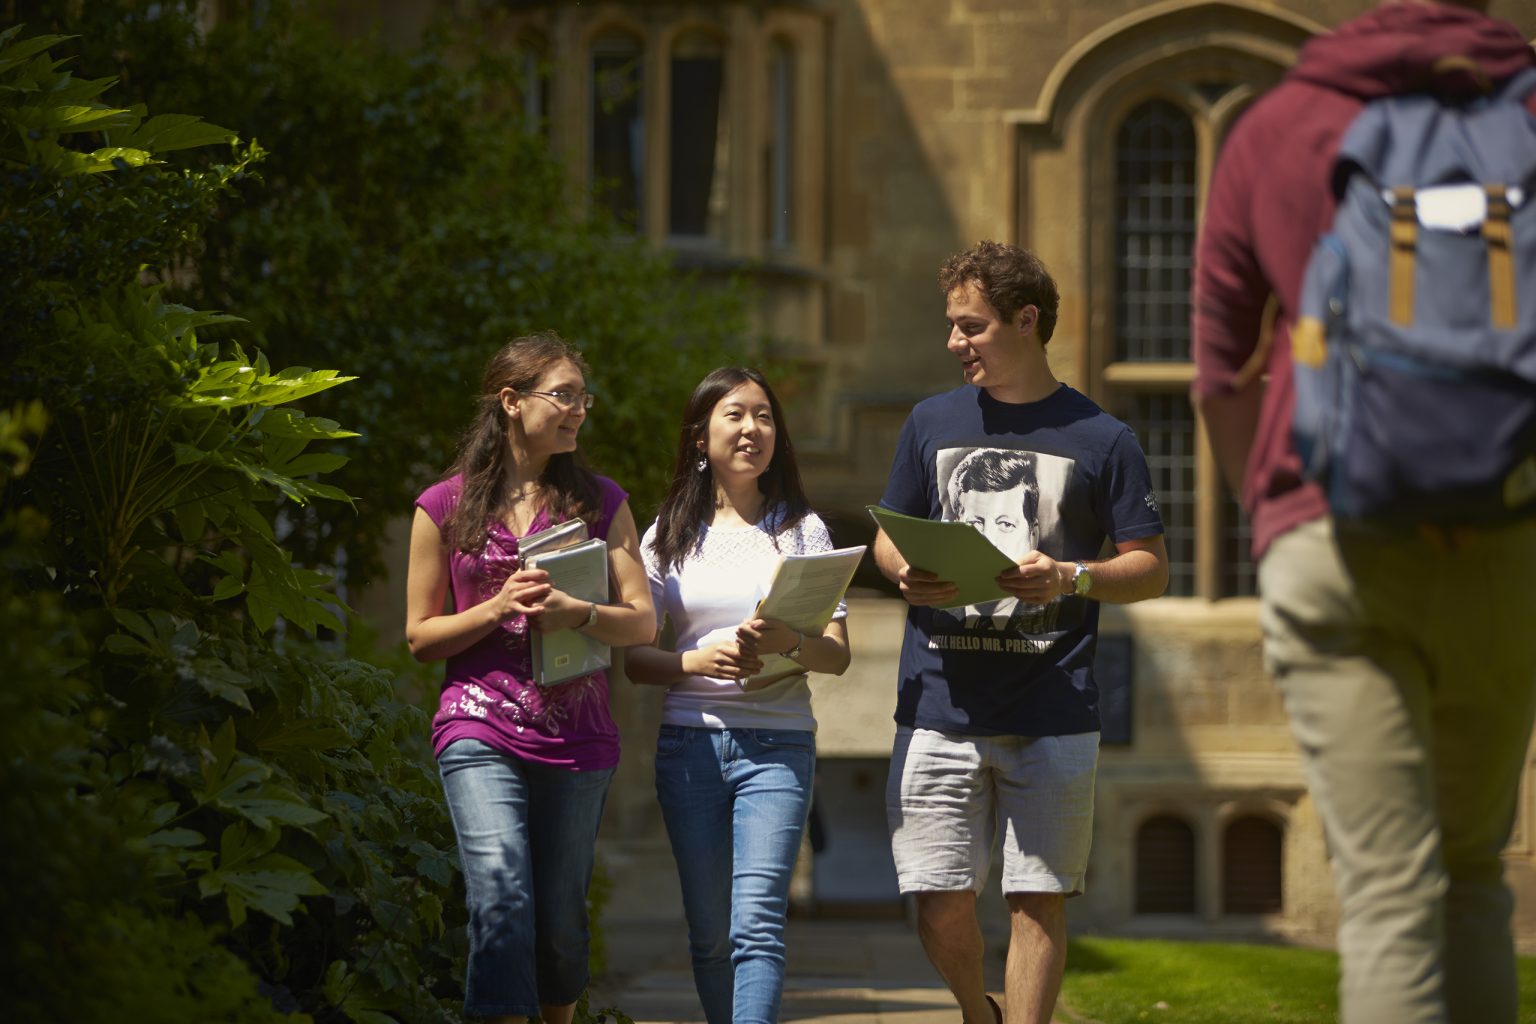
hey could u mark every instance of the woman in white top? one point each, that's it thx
(736, 754)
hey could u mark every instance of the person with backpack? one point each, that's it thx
(1382, 432)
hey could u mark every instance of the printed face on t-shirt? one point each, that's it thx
(1001, 517)
(1005, 493)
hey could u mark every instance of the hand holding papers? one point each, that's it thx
(579, 567)
(804, 595)
(953, 551)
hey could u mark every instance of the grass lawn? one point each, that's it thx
(1127, 981)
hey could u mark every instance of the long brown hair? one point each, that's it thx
(690, 499)
(484, 458)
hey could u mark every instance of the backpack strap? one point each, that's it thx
(1405, 240)
(1500, 241)
(1497, 233)
(1516, 89)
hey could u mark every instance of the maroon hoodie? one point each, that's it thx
(1270, 200)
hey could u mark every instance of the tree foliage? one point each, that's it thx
(405, 225)
(206, 816)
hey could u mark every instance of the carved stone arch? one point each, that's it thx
(1162, 48)
(1162, 808)
(1277, 812)
(1209, 58)
(669, 33)
(1127, 46)
(612, 24)
(1209, 79)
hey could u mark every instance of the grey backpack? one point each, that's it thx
(1415, 345)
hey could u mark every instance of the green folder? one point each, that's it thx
(955, 552)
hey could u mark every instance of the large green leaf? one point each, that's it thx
(290, 423)
(249, 876)
(166, 132)
(217, 679)
(93, 117)
(356, 995)
(276, 732)
(13, 54)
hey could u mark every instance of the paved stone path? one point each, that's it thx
(840, 972)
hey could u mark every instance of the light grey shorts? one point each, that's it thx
(948, 794)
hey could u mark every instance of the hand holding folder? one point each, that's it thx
(955, 552)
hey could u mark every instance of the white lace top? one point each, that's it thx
(716, 589)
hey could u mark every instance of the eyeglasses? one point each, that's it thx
(567, 399)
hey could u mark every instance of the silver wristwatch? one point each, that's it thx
(591, 616)
(1082, 579)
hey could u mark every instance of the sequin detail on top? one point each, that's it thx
(520, 703)
(488, 693)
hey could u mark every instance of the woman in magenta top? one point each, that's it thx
(525, 767)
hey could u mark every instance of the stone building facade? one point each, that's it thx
(834, 151)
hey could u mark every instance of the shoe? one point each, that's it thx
(997, 1011)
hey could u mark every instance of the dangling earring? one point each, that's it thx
(702, 465)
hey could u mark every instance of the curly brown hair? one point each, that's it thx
(1009, 277)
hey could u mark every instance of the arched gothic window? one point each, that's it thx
(1155, 208)
(1160, 175)
(700, 138)
(1251, 867)
(618, 124)
(1165, 866)
(779, 148)
(533, 68)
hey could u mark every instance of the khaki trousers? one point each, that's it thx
(1408, 669)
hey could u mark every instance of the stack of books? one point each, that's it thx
(579, 567)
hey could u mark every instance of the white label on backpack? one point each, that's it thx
(1459, 208)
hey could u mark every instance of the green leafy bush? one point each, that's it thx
(207, 815)
(405, 226)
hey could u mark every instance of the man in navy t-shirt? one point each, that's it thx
(997, 713)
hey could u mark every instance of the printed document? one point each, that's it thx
(804, 595)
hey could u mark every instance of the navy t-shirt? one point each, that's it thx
(1059, 475)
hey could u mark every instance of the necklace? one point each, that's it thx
(526, 496)
(523, 493)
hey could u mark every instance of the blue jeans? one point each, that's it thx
(526, 835)
(735, 802)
